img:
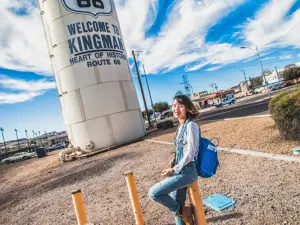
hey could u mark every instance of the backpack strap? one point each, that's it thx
(183, 129)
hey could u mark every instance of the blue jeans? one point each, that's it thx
(171, 192)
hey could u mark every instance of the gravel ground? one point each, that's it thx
(38, 191)
(257, 134)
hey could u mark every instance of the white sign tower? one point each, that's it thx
(89, 61)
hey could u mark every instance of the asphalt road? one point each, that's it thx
(252, 106)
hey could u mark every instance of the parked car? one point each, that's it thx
(277, 86)
(230, 99)
(55, 146)
(18, 157)
(288, 83)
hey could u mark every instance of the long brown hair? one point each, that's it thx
(192, 112)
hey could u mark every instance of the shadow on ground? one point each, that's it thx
(64, 176)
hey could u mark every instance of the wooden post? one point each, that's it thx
(134, 198)
(79, 207)
(196, 201)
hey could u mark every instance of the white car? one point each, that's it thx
(230, 99)
(19, 156)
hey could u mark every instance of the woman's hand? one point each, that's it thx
(167, 172)
(172, 162)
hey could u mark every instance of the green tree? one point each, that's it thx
(256, 81)
(291, 74)
(161, 106)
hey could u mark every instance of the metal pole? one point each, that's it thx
(262, 69)
(17, 138)
(2, 130)
(150, 94)
(134, 198)
(277, 73)
(245, 79)
(40, 139)
(27, 140)
(37, 138)
(46, 137)
(79, 207)
(141, 86)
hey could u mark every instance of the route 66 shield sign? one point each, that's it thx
(91, 7)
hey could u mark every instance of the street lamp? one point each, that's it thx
(45, 137)
(245, 79)
(17, 138)
(33, 137)
(37, 138)
(40, 138)
(262, 69)
(2, 131)
(27, 139)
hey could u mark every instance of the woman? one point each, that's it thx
(171, 192)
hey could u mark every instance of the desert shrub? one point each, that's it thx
(285, 110)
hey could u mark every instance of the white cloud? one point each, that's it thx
(272, 27)
(181, 41)
(214, 68)
(182, 37)
(22, 90)
(22, 40)
(236, 34)
(23, 85)
(267, 58)
(6, 98)
(286, 57)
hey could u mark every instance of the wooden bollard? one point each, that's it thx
(79, 207)
(134, 199)
(196, 201)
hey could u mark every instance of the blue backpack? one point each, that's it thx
(207, 159)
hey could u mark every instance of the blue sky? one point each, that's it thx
(198, 38)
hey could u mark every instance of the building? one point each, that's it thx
(57, 137)
(212, 98)
(199, 95)
(244, 86)
(275, 76)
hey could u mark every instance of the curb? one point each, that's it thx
(232, 110)
(247, 152)
(247, 117)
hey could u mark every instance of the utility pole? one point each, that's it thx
(262, 69)
(277, 73)
(141, 86)
(2, 131)
(46, 137)
(188, 88)
(212, 85)
(37, 139)
(245, 79)
(150, 94)
(40, 138)
(27, 139)
(17, 138)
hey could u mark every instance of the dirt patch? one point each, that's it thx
(258, 134)
(38, 191)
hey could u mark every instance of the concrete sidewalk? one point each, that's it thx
(247, 152)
